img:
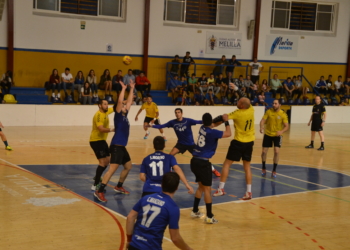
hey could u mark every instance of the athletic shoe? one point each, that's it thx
(196, 215)
(274, 175)
(100, 196)
(216, 173)
(8, 148)
(164, 138)
(263, 172)
(211, 220)
(97, 187)
(320, 148)
(310, 146)
(247, 196)
(219, 192)
(146, 135)
(121, 190)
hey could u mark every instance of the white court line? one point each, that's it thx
(315, 166)
(114, 212)
(292, 178)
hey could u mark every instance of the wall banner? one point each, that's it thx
(223, 43)
(282, 45)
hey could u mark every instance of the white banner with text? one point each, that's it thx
(223, 43)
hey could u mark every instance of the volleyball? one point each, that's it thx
(127, 60)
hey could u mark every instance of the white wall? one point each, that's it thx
(3, 27)
(302, 114)
(79, 115)
(312, 48)
(170, 40)
(62, 33)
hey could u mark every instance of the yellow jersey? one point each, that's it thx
(274, 121)
(151, 109)
(100, 118)
(244, 124)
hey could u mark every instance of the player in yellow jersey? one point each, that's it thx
(241, 146)
(274, 123)
(152, 114)
(4, 139)
(99, 133)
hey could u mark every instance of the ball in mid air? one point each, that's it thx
(127, 60)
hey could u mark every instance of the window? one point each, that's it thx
(307, 16)
(112, 8)
(207, 12)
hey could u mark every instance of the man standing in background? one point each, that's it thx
(256, 69)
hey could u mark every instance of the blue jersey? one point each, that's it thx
(182, 129)
(122, 129)
(155, 213)
(207, 142)
(155, 166)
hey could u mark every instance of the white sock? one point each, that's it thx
(222, 185)
(147, 132)
(212, 168)
(249, 188)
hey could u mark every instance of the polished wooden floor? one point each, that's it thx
(306, 220)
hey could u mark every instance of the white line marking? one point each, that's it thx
(292, 178)
(114, 212)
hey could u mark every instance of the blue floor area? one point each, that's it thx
(78, 178)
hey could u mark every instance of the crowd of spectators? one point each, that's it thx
(215, 88)
(87, 88)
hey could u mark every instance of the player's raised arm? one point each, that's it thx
(121, 97)
(131, 94)
(165, 125)
(227, 132)
(178, 170)
(218, 121)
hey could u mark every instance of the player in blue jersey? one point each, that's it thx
(201, 166)
(155, 165)
(183, 131)
(153, 213)
(119, 154)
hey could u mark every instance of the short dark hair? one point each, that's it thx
(158, 143)
(179, 109)
(187, 52)
(176, 56)
(101, 101)
(289, 78)
(207, 119)
(67, 69)
(149, 96)
(330, 76)
(279, 101)
(170, 182)
(193, 74)
(129, 70)
(204, 74)
(340, 76)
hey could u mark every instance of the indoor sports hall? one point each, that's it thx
(45, 181)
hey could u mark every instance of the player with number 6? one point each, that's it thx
(241, 146)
